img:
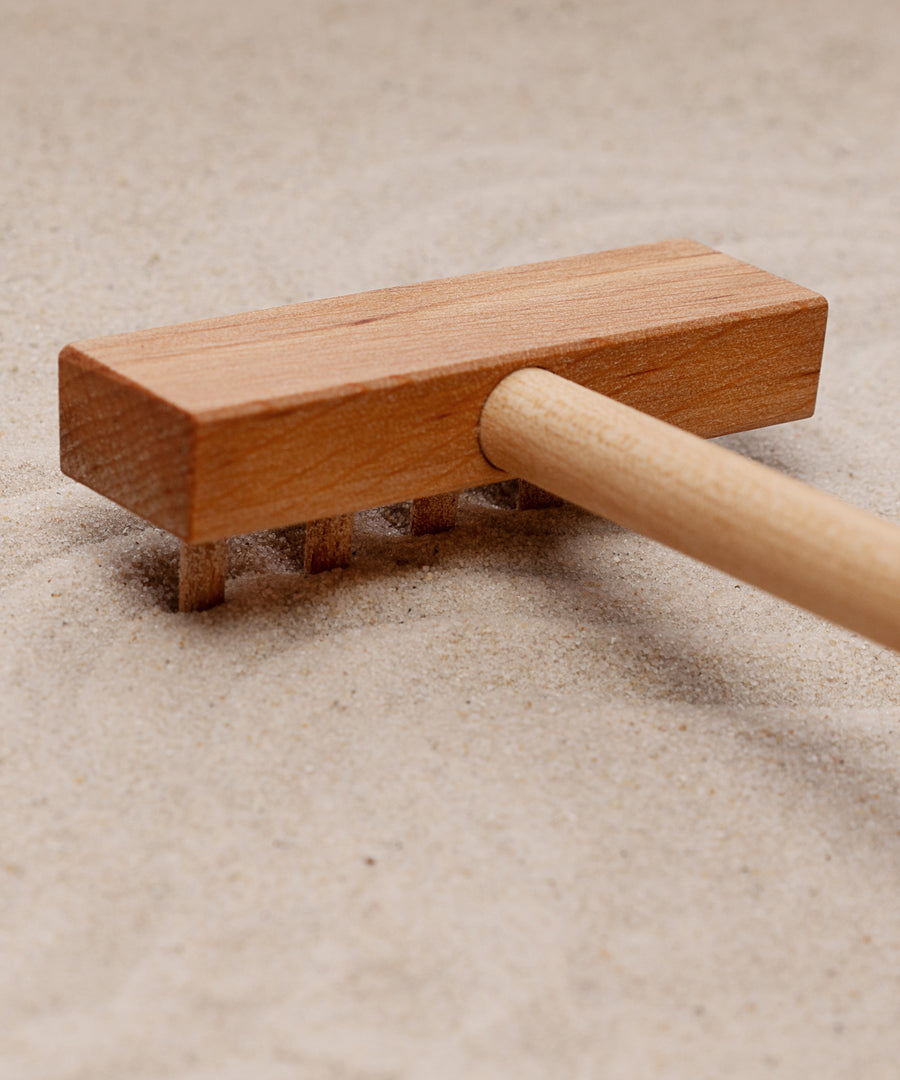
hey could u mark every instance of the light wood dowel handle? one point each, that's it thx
(713, 504)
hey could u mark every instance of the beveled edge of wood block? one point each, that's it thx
(131, 447)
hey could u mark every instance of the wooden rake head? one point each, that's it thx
(310, 412)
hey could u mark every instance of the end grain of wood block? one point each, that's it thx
(328, 543)
(433, 514)
(201, 575)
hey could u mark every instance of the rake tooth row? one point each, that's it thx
(322, 545)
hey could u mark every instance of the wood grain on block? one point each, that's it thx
(433, 514)
(201, 575)
(532, 497)
(329, 543)
(708, 502)
(270, 418)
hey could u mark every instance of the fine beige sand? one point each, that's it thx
(533, 799)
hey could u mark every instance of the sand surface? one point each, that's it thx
(535, 798)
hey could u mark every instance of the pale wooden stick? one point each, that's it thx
(708, 502)
(531, 497)
(433, 514)
(201, 575)
(328, 543)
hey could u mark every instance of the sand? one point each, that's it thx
(536, 798)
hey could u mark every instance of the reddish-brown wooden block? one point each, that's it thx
(313, 411)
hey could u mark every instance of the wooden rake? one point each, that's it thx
(589, 378)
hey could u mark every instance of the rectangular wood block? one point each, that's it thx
(270, 418)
